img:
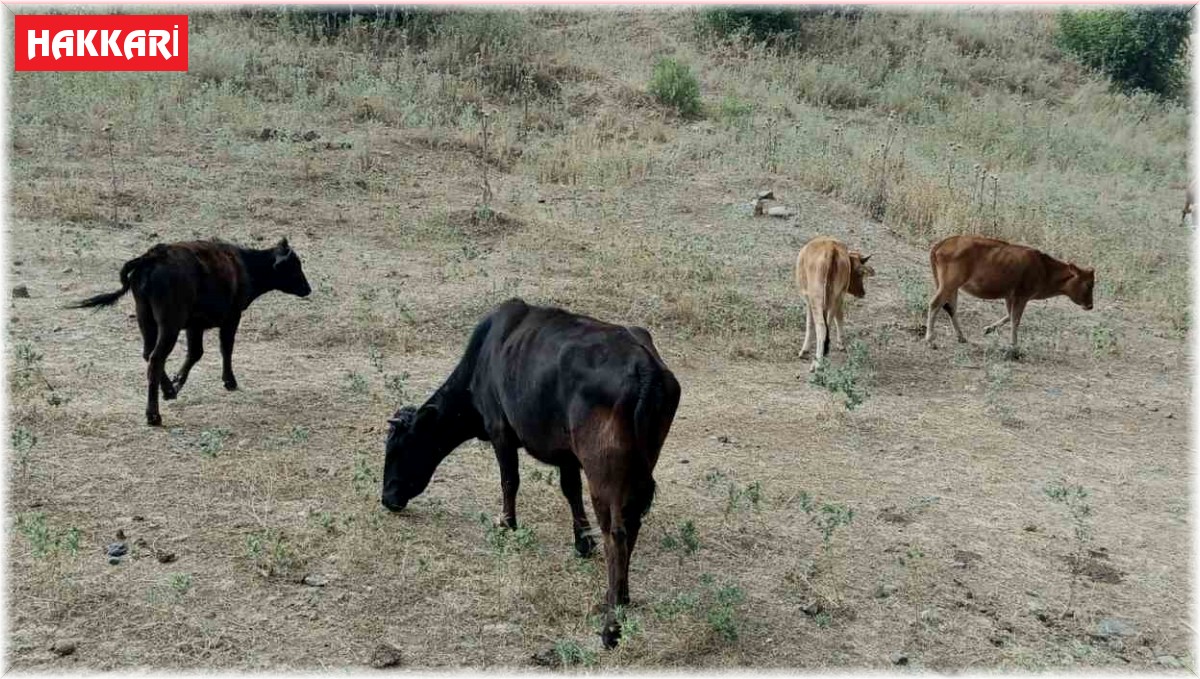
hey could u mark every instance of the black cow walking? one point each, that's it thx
(195, 286)
(576, 393)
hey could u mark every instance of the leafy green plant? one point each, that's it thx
(1104, 339)
(271, 554)
(43, 539)
(571, 654)
(673, 84)
(503, 540)
(299, 434)
(1138, 47)
(212, 440)
(748, 497)
(180, 582)
(686, 539)
(846, 378)
(365, 479)
(396, 386)
(22, 441)
(829, 519)
(1074, 500)
(356, 383)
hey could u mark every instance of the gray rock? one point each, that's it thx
(898, 658)
(1169, 661)
(20, 292)
(315, 580)
(884, 591)
(64, 647)
(117, 549)
(1109, 628)
(780, 211)
(766, 195)
(386, 655)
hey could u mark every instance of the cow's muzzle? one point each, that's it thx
(393, 505)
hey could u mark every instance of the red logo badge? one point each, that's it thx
(101, 42)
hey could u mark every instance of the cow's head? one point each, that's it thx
(1078, 287)
(858, 271)
(412, 453)
(287, 274)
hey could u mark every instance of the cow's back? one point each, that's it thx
(205, 280)
(539, 368)
(988, 268)
(823, 267)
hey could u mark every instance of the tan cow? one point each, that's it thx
(825, 271)
(989, 268)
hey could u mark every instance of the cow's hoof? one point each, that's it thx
(610, 636)
(154, 419)
(231, 385)
(169, 392)
(585, 546)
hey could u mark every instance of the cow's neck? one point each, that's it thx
(260, 270)
(457, 421)
(1057, 274)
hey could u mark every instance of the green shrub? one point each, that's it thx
(766, 24)
(1138, 48)
(673, 84)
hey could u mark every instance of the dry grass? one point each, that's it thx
(611, 206)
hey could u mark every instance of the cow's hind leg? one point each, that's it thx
(940, 301)
(837, 327)
(821, 318)
(572, 489)
(951, 307)
(1018, 309)
(156, 373)
(1000, 323)
(808, 330)
(195, 349)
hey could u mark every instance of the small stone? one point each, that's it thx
(20, 292)
(766, 195)
(884, 591)
(1169, 661)
(547, 658)
(1111, 627)
(1031, 528)
(812, 608)
(64, 647)
(722, 439)
(117, 549)
(67, 270)
(501, 629)
(384, 656)
(166, 557)
(315, 580)
(138, 517)
(898, 658)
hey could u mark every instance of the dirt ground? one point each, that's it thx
(252, 518)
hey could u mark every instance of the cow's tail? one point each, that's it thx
(110, 298)
(657, 400)
(937, 283)
(827, 295)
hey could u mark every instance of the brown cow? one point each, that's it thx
(196, 286)
(989, 268)
(825, 271)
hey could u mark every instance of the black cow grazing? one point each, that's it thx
(195, 286)
(576, 393)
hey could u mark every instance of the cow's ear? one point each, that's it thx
(864, 258)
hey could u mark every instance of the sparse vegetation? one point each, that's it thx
(674, 85)
(43, 539)
(1074, 499)
(212, 440)
(1138, 47)
(846, 378)
(358, 133)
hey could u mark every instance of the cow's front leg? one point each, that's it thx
(228, 332)
(510, 478)
(572, 489)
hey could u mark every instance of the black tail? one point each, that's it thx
(110, 298)
(657, 401)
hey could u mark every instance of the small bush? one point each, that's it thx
(759, 24)
(674, 85)
(1138, 48)
(846, 378)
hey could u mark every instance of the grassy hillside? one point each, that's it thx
(431, 165)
